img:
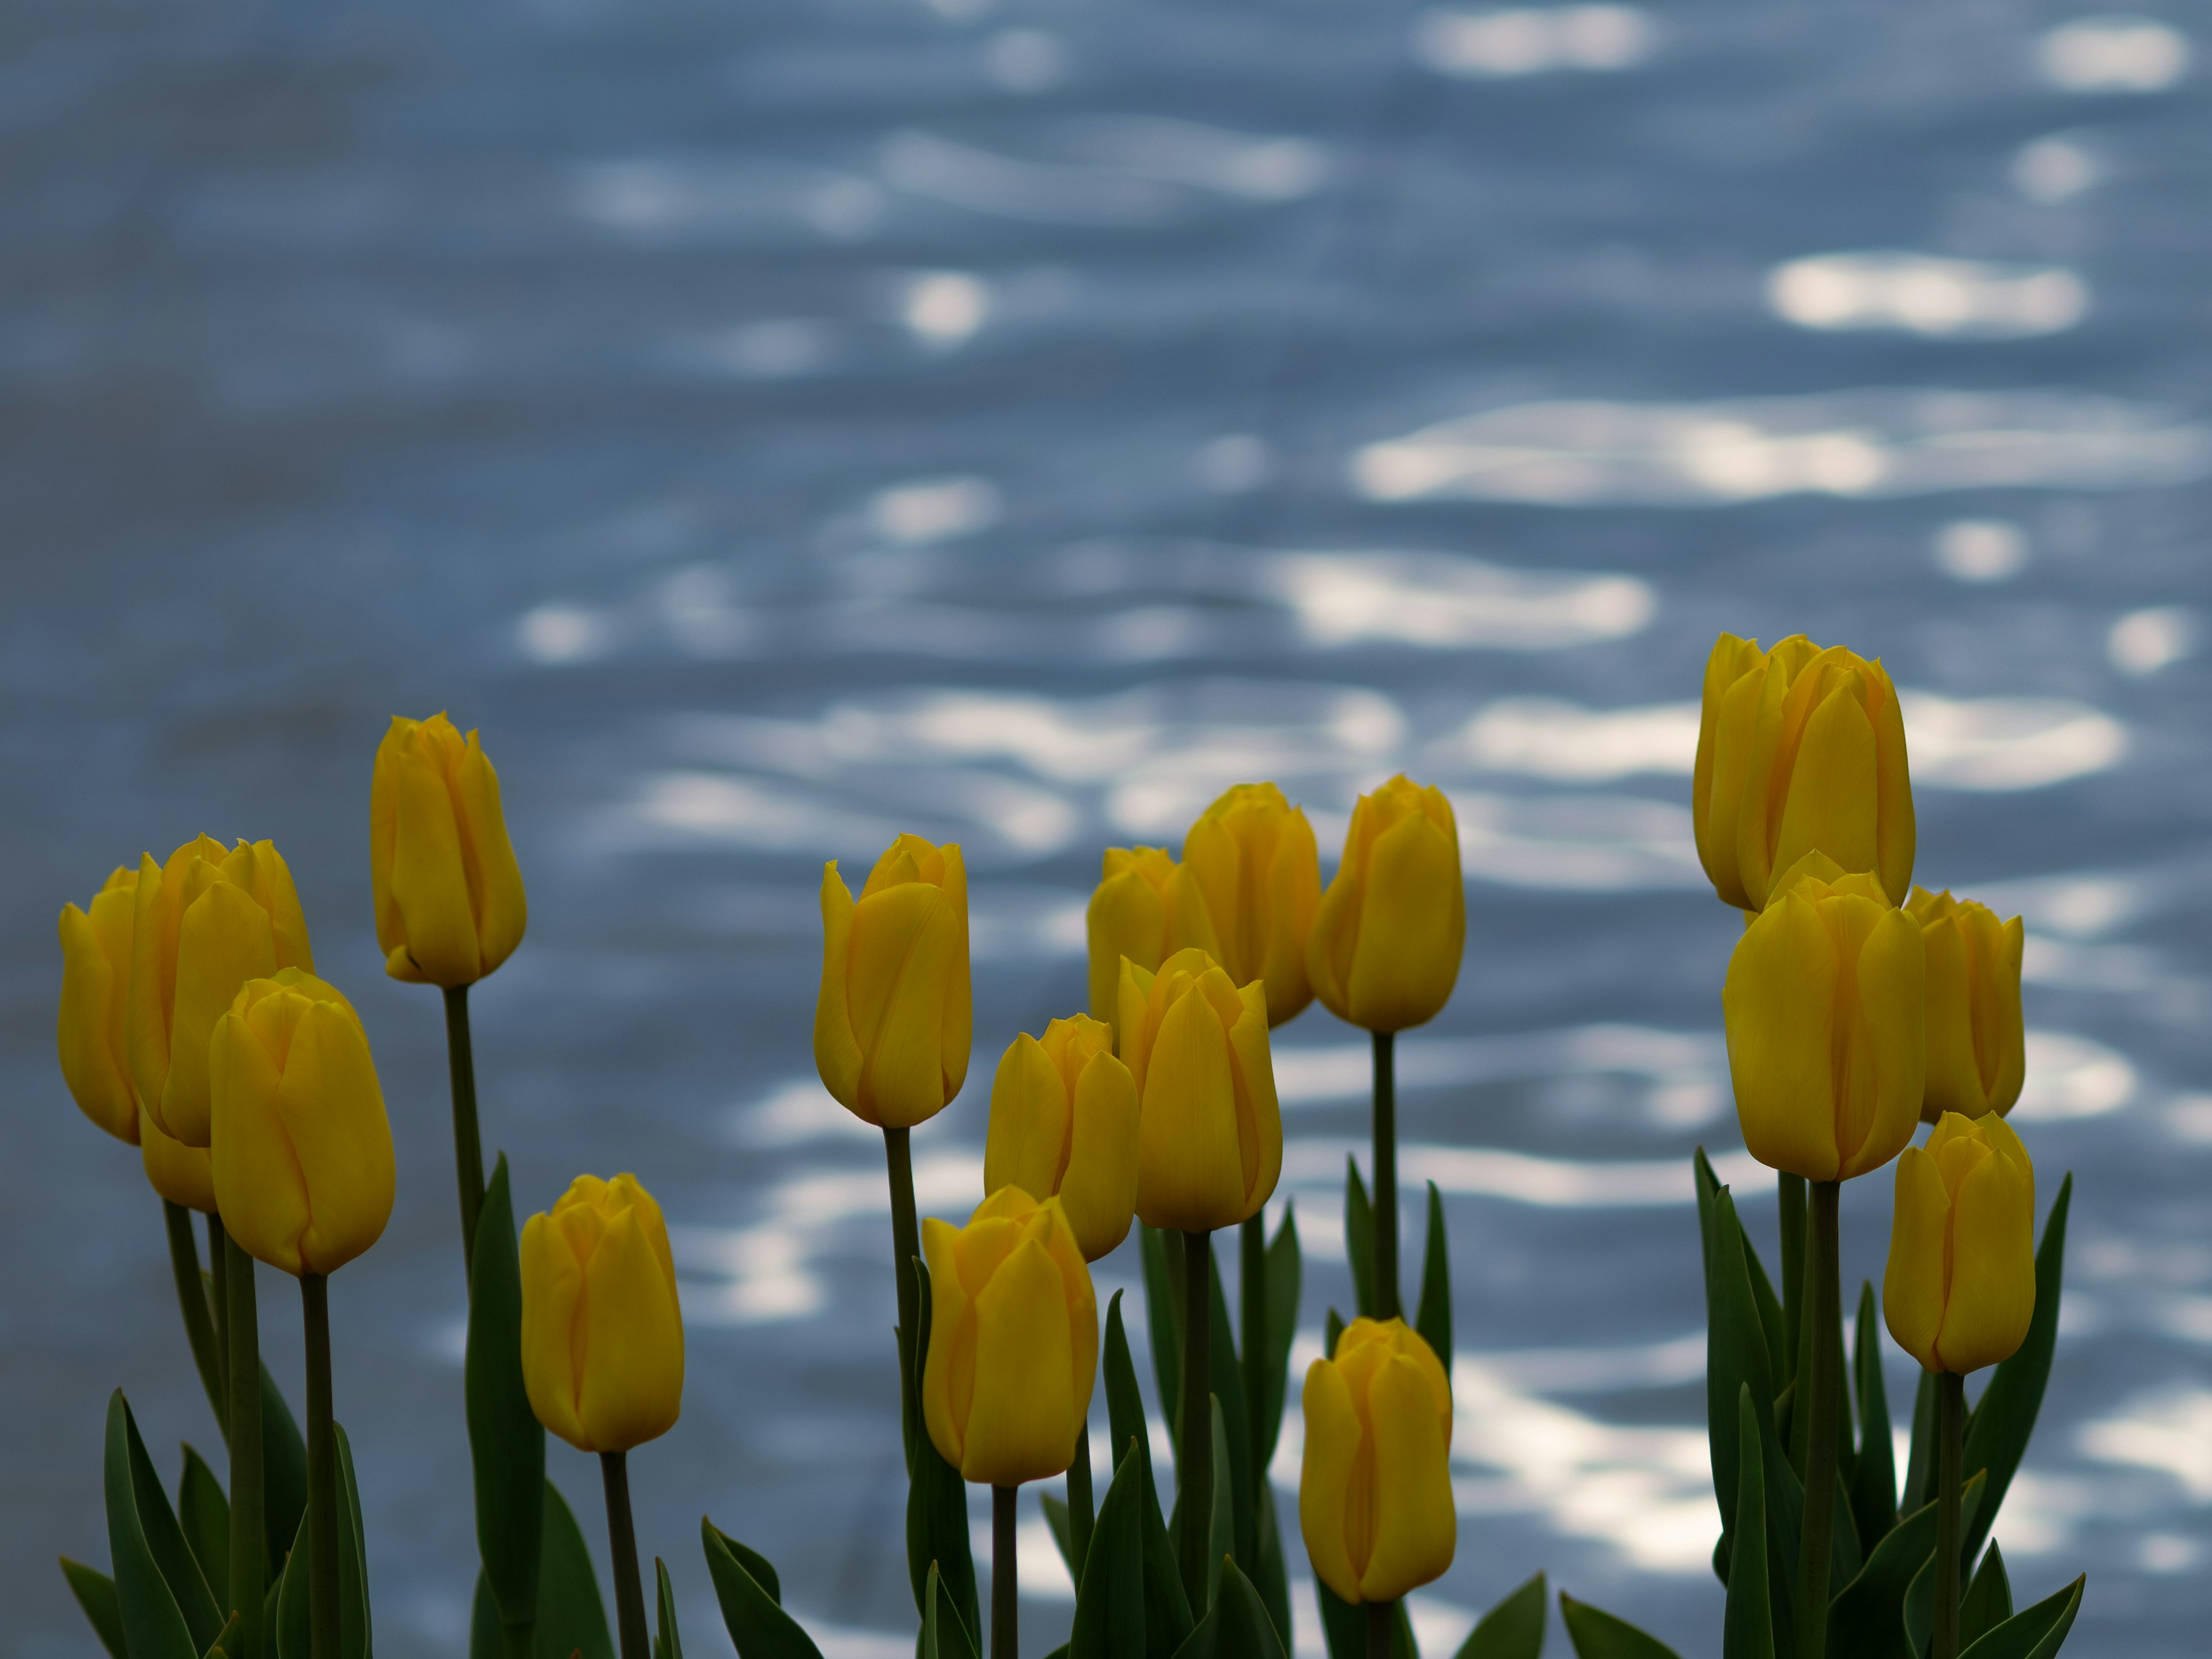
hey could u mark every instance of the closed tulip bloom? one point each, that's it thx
(183, 1175)
(1210, 1132)
(1388, 937)
(1960, 1285)
(206, 922)
(1128, 917)
(1063, 1125)
(1246, 893)
(1375, 1495)
(1799, 748)
(95, 985)
(1014, 1340)
(1976, 1058)
(302, 1155)
(1824, 1009)
(449, 902)
(892, 1023)
(602, 1331)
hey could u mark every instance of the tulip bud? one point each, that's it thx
(206, 922)
(449, 902)
(1245, 892)
(1976, 1058)
(1388, 938)
(892, 1023)
(1128, 917)
(1063, 1124)
(95, 985)
(1014, 1340)
(1375, 1495)
(183, 1175)
(1960, 1285)
(602, 1331)
(1799, 748)
(1210, 1132)
(1824, 1009)
(302, 1154)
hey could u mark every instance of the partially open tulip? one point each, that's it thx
(1014, 1340)
(449, 902)
(303, 1155)
(1374, 1494)
(1976, 1058)
(95, 985)
(1245, 892)
(183, 1175)
(602, 1331)
(1210, 1131)
(1388, 934)
(1128, 917)
(893, 1021)
(206, 922)
(1825, 1013)
(1799, 748)
(1063, 1125)
(1960, 1290)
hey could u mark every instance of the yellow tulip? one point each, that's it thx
(1799, 748)
(1014, 1340)
(303, 1155)
(206, 922)
(1824, 1009)
(1210, 1132)
(1388, 937)
(602, 1330)
(1063, 1125)
(893, 1022)
(1246, 893)
(183, 1175)
(449, 902)
(1374, 1494)
(1960, 1285)
(1977, 1057)
(1128, 917)
(95, 985)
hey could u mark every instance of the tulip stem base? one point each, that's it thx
(1082, 1512)
(1382, 1624)
(1194, 1444)
(1790, 1190)
(906, 1245)
(468, 1142)
(322, 1472)
(1950, 1477)
(1818, 1404)
(622, 1544)
(249, 1532)
(1006, 1589)
(1386, 1305)
(192, 1303)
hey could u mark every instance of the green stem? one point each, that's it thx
(1791, 1190)
(249, 1532)
(621, 1543)
(192, 1303)
(906, 1246)
(1386, 1305)
(1951, 1457)
(1195, 1464)
(322, 1472)
(1381, 1617)
(1818, 1406)
(1252, 1332)
(1082, 1514)
(1005, 1593)
(218, 1284)
(468, 1144)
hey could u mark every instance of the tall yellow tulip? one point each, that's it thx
(450, 906)
(1977, 1048)
(96, 986)
(1388, 934)
(1375, 1495)
(1960, 1288)
(206, 922)
(1128, 917)
(1799, 748)
(1063, 1125)
(1246, 893)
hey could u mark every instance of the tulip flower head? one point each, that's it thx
(449, 902)
(95, 985)
(1063, 1125)
(602, 1330)
(206, 922)
(893, 1022)
(183, 1175)
(1960, 1288)
(1799, 748)
(1014, 1340)
(302, 1154)
(1375, 1496)
(1824, 1010)
(1977, 1057)
(1389, 931)
(1210, 1131)
(1246, 893)
(1128, 917)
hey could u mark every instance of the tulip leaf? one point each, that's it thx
(1236, 1627)
(1167, 1609)
(1988, 1600)
(283, 1473)
(1109, 1598)
(1868, 1615)
(667, 1643)
(1360, 1238)
(204, 1512)
(1598, 1635)
(571, 1617)
(1269, 1373)
(1222, 1533)
(1332, 1328)
(291, 1633)
(354, 1637)
(226, 1640)
(2005, 1418)
(1163, 1279)
(484, 1641)
(1434, 1321)
(1920, 1607)
(937, 1499)
(506, 1443)
(1873, 1472)
(2038, 1632)
(758, 1623)
(1271, 1575)
(1737, 1355)
(1514, 1628)
(1748, 1627)
(1235, 1436)
(1057, 1517)
(96, 1593)
(1344, 1626)
(166, 1610)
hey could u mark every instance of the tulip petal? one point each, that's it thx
(1133, 1033)
(2000, 1044)
(1259, 1113)
(1293, 893)
(261, 870)
(1325, 1477)
(1894, 831)
(1188, 921)
(183, 1175)
(632, 1388)
(1413, 928)
(1030, 1138)
(500, 905)
(1912, 1285)
(1022, 1424)
(149, 1000)
(959, 1031)
(1832, 788)
(948, 1373)
(836, 1049)
(259, 1186)
(1778, 1000)
(898, 977)
(1099, 1190)
(1888, 1049)
(223, 940)
(1417, 1522)
(333, 1114)
(1953, 1078)
(384, 837)
(89, 1026)
(1127, 918)
(1189, 1164)
(553, 1292)
(1734, 672)
(430, 882)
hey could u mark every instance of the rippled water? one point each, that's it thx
(776, 427)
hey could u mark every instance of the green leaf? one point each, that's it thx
(1434, 1321)
(1056, 1518)
(571, 1617)
(758, 1623)
(96, 1593)
(1271, 1370)
(1226, 1375)
(937, 1501)
(1345, 1627)
(2005, 1418)
(1514, 1628)
(1167, 1609)
(1873, 1472)
(1988, 1600)
(1109, 1602)
(204, 1512)
(227, 1640)
(1242, 1629)
(1271, 1578)
(2036, 1633)
(166, 1606)
(355, 1639)
(942, 1637)
(1598, 1635)
(1332, 1328)
(1221, 1534)
(283, 1473)
(1360, 1238)
(1163, 1318)
(506, 1444)
(1867, 1616)
(667, 1643)
(292, 1630)
(483, 1623)
(1770, 1317)
(1737, 1356)
(1748, 1627)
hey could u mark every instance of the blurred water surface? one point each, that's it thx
(1014, 420)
